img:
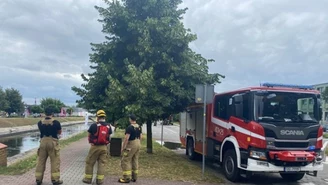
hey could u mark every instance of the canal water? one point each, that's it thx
(21, 143)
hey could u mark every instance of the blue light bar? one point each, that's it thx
(288, 86)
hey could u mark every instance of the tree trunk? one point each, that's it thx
(114, 122)
(149, 137)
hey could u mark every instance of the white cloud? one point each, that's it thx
(279, 41)
(44, 45)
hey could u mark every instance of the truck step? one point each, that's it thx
(216, 165)
(217, 147)
(313, 174)
(216, 157)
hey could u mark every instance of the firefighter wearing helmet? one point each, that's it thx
(130, 151)
(99, 138)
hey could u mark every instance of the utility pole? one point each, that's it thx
(162, 134)
(204, 94)
(204, 129)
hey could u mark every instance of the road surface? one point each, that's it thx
(171, 134)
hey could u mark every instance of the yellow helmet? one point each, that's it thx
(101, 113)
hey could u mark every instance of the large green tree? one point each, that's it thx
(56, 103)
(15, 101)
(4, 104)
(324, 95)
(36, 109)
(145, 66)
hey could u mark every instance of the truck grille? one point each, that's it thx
(291, 144)
(270, 133)
(313, 134)
(281, 163)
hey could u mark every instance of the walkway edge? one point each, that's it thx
(29, 153)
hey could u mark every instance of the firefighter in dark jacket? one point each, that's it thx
(130, 151)
(99, 138)
(49, 147)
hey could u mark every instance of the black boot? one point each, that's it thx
(124, 180)
(57, 182)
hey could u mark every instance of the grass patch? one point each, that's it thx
(26, 164)
(163, 164)
(16, 122)
(325, 135)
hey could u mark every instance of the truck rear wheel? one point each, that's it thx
(190, 149)
(292, 176)
(230, 167)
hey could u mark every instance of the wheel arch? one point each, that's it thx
(190, 137)
(230, 143)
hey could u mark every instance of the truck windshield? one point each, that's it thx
(286, 107)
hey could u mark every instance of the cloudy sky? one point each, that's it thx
(44, 44)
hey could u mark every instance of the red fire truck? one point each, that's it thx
(271, 128)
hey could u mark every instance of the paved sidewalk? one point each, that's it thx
(72, 170)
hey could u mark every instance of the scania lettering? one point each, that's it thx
(291, 132)
(271, 128)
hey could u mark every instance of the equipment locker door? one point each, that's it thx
(191, 122)
(183, 124)
(199, 125)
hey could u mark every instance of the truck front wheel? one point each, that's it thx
(230, 167)
(293, 177)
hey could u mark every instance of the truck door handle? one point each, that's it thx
(233, 129)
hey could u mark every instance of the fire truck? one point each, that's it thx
(271, 128)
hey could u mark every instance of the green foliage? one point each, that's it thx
(324, 95)
(176, 117)
(36, 109)
(69, 111)
(54, 108)
(123, 123)
(56, 104)
(145, 66)
(4, 104)
(15, 101)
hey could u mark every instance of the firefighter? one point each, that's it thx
(130, 151)
(49, 147)
(99, 138)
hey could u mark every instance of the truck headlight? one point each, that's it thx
(257, 155)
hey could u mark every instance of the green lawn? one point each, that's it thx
(16, 122)
(163, 164)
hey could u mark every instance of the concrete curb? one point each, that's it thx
(30, 128)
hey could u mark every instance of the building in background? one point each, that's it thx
(321, 87)
(79, 111)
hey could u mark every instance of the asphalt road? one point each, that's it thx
(171, 134)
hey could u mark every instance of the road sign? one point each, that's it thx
(204, 94)
(200, 93)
